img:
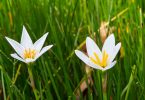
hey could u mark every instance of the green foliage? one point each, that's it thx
(58, 73)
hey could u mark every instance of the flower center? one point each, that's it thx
(29, 53)
(97, 61)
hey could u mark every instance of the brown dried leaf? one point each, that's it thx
(105, 30)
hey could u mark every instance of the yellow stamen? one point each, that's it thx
(29, 53)
(93, 60)
(97, 61)
(104, 60)
(97, 58)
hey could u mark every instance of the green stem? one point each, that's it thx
(104, 85)
(32, 82)
(16, 76)
(104, 96)
(3, 84)
(100, 89)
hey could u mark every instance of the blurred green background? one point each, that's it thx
(58, 73)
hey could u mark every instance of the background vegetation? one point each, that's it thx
(58, 73)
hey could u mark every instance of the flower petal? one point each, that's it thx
(25, 39)
(92, 47)
(28, 60)
(109, 44)
(82, 56)
(14, 55)
(109, 66)
(39, 43)
(43, 51)
(95, 66)
(86, 60)
(115, 51)
(17, 47)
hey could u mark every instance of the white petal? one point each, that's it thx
(92, 47)
(25, 39)
(86, 60)
(17, 47)
(43, 51)
(28, 60)
(17, 57)
(109, 44)
(95, 66)
(109, 66)
(39, 43)
(115, 51)
(82, 56)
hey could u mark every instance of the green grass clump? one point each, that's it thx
(58, 73)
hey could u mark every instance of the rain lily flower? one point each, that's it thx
(26, 51)
(98, 59)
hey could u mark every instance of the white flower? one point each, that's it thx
(98, 59)
(26, 51)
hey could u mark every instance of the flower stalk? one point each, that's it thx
(32, 83)
(102, 59)
(104, 85)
